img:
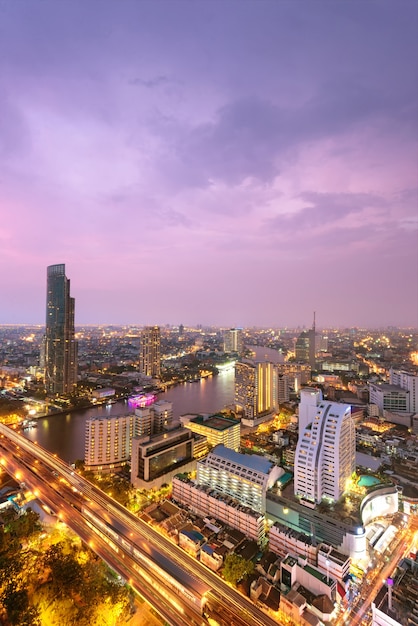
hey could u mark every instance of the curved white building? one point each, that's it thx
(325, 453)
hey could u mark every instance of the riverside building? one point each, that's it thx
(233, 341)
(150, 352)
(256, 390)
(217, 429)
(60, 346)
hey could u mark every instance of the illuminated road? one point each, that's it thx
(377, 577)
(161, 571)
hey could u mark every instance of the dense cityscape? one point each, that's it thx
(208, 313)
(299, 491)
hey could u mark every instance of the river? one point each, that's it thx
(63, 434)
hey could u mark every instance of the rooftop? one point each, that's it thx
(216, 422)
(251, 461)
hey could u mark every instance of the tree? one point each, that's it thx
(16, 603)
(65, 570)
(236, 569)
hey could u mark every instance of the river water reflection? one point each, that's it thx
(64, 434)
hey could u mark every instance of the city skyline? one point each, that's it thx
(213, 163)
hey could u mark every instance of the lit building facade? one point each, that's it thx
(244, 477)
(284, 540)
(325, 453)
(204, 501)
(155, 460)
(299, 374)
(60, 346)
(233, 340)
(150, 352)
(217, 429)
(409, 382)
(390, 398)
(256, 388)
(153, 419)
(108, 442)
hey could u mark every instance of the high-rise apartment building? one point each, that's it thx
(325, 453)
(60, 346)
(233, 341)
(305, 348)
(255, 388)
(150, 352)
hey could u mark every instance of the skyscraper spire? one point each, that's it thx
(313, 326)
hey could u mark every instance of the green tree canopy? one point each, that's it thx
(236, 569)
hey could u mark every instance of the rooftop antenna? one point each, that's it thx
(314, 314)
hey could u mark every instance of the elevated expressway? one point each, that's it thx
(180, 588)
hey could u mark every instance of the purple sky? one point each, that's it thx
(217, 162)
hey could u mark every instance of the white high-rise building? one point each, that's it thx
(310, 398)
(325, 453)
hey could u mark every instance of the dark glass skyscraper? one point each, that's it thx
(60, 344)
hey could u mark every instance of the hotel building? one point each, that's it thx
(153, 419)
(244, 477)
(108, 442)
(325, 454)
(390, 398)
(255, 390)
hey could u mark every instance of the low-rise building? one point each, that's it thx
(205, 501)
(217, 429)
(284, 540)
(297, 570)
(191, 541)
(396, 604)
(244, 477)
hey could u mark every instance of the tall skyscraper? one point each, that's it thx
(150, 352)
(305, 348)
(233, 340)
(60, 346)
(326, 453)
(256, 387)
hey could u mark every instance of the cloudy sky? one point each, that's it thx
(228, 162)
